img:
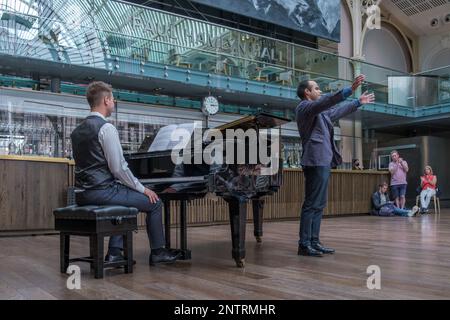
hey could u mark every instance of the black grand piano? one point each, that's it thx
(237, 182)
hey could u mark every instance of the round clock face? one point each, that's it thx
(210, 105)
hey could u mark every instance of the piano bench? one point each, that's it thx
(96, 222)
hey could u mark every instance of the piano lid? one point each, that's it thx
(260, 120)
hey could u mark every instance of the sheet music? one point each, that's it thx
(173, 136)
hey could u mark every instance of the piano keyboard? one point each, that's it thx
(174, 180)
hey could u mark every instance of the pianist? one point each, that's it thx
(102, 174)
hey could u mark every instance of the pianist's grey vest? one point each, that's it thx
(91, 167)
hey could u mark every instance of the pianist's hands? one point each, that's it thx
(169, 190)
(151, 195)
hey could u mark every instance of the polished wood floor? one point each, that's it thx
(413, 254)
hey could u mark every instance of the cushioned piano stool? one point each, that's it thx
(96, 222)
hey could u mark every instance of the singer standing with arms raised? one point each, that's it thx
(315, 115)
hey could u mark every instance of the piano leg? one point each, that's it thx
(185, 253)
(167, 222)
(128, 251)
(64, 241)
(238, 217)
(258, 206)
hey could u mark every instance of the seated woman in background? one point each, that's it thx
(382, 206)
(428, 184)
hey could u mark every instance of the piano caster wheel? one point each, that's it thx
(240, 263)
(258, 239)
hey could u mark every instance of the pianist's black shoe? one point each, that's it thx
(163, 256)
(115, 258)
(323, 249)
(309, 251)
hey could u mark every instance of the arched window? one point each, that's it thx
(387, 47)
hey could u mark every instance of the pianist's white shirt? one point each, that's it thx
(110, 142)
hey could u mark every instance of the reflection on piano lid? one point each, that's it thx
(258, 121)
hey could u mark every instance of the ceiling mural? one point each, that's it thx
(317, 17)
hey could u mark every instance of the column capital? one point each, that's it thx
(359, 58)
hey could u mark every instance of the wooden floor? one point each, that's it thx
(413, 254)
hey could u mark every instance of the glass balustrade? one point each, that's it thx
(44, 129)
(443, 82)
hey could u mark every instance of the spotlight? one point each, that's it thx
(447, 18)
(434, 23)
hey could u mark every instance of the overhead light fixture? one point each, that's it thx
(447, 18)
(434, 23)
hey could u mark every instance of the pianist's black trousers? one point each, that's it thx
(316, 185)
(124, 196)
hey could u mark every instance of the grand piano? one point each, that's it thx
(237, 182)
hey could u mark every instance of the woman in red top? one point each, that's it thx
(428, 184)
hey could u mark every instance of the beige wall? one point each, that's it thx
(434, 51)
(384, 48)
(345, 47)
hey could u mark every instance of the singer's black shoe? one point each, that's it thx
(308, 251)
(116, 258)
(323, 249)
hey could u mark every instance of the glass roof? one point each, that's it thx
(84, 32)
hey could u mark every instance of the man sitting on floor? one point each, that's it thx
(382, 206)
